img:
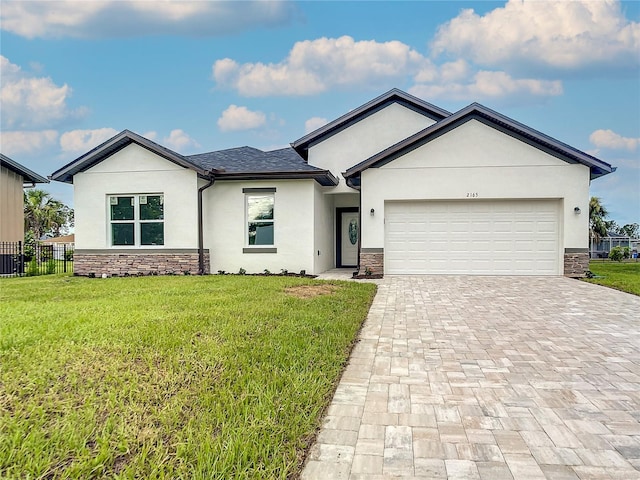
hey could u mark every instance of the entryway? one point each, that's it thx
(347, 236)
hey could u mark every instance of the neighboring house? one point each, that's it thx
(395, 186)
(61, 245)
(603, 246)
(13, 179)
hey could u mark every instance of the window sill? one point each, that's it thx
(259, 250)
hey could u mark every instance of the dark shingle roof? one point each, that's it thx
(248, 163)
(252, 160)
(27, 175)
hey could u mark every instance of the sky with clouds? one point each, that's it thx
(198, 76)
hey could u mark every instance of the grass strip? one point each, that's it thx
(168, 377)
(623, 276)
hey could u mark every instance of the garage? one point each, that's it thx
(478, 237)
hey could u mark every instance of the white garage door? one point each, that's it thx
(507, 237)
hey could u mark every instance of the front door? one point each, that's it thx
(348, 233)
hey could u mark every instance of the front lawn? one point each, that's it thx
(169, 377)
(623, 276)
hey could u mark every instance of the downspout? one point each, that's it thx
(201, 269)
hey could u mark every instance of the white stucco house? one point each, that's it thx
(396, 186)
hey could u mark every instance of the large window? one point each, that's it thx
(136, 220)
(260, 218)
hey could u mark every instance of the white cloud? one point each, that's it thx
(178, 140)
(25, 143)
(487, 85)
(95, 19)
(240, 118)
(81, 141)
(314, 66)
(151, 135)
(561, 35)
(612, 140)
(314, 123)
(29, 102)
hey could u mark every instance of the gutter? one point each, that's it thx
(212, 179)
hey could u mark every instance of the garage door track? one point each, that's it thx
(465, 377)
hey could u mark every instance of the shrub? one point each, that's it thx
(68, 255)
(32, 269)
(51, 266)
(616, 254)
(626, 252)
(242, 271)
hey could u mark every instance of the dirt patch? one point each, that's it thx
(310, 291)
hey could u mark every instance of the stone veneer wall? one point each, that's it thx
(576, 262)
(87, 263)
(374, 260)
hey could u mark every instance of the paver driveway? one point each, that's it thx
(488, 378)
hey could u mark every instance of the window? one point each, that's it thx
(136, 220)
(260, 218)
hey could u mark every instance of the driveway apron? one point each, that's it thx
(461, 377)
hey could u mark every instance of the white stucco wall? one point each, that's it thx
(323, 230)
(224, 227)
(475, 159)
(366, 138)
(135, 170)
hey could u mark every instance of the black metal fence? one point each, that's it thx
(29, 259)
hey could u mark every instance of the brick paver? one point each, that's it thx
(488, 378)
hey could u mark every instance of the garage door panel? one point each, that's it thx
(480, 237)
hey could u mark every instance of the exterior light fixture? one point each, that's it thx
(372, 212)
(576, 210)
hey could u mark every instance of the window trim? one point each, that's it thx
(137, 222)
(258, 192)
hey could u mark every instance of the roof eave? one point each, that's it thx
(598, 167)
(301, 145)
(113, 145)
(323, 177)
(29, 175)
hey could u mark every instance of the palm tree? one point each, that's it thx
(597, 223)
(45, 215)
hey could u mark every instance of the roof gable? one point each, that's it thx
(303, 144)
(24, 172)
(495, 120)
(115, 144)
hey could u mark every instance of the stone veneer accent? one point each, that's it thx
(372, 258)
(576, 262)
(143, 262)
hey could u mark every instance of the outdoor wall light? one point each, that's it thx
(372, 212)
(576, 210)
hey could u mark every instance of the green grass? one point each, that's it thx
(623, 276)
(168, 377)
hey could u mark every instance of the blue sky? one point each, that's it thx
(201, 76)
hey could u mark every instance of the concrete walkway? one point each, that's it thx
(488, 378)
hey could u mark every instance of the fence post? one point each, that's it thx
(20, 266)
(64, 258)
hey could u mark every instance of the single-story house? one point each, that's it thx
(13, 179)
(60, 246)
(396, 186)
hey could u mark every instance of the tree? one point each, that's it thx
(43, 215)
(597, 219)
(630, 230)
